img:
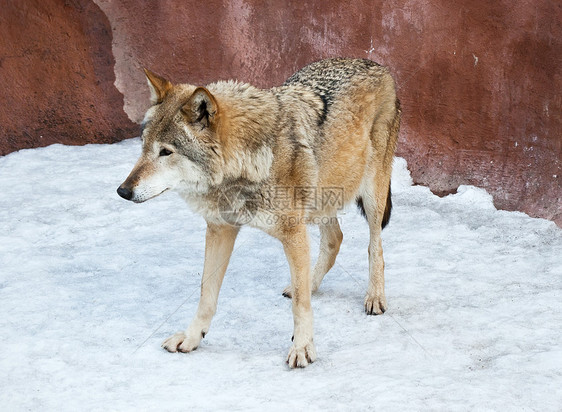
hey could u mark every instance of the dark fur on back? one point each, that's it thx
(387, 209)
(328, 77)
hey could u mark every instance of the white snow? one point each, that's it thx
(91, 284)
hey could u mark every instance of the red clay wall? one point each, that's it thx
(479, 81)
(56, 69)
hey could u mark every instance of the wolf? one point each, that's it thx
(275, 159)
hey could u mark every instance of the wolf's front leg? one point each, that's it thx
(295, 244)
(219, 243)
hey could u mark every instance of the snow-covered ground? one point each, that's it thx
(91, 284)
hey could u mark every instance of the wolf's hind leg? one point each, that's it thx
(330, 241)
(219, 243)
(374, 201)
(375, 192)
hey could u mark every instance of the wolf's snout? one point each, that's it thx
(125, 192)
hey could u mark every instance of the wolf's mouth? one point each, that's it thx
(142, 199)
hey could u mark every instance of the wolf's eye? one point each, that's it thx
(165, 152)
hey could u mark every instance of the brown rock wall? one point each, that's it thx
(56, 67)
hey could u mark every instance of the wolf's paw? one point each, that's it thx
(375, 305)
(180, 342)
(301, 356)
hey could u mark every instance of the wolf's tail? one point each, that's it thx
(387, 209)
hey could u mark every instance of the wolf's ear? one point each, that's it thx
(158, 86)
(201, 107)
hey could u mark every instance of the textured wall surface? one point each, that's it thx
(56, 67)
(479, 81)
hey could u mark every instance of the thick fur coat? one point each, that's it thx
(277, 160)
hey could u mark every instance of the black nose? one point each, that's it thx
(124, 192)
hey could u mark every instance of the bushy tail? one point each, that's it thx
(387, 209)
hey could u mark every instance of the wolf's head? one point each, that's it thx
(180, 142)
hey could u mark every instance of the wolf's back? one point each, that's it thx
(329, 77)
